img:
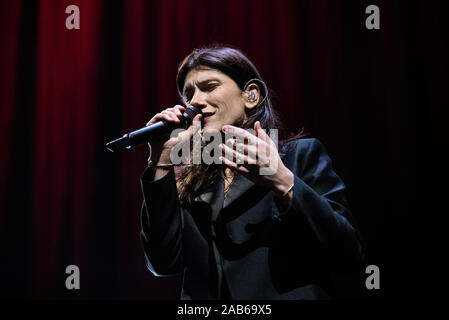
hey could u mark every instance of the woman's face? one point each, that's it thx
(217, 95)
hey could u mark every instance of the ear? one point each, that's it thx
(251, 95)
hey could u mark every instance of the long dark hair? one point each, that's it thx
(238, 67)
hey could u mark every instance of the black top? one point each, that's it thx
(242, 246)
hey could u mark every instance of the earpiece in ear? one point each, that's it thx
(252, 93)
(251, 96)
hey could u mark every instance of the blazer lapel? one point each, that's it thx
(213, 195)
(239, 186)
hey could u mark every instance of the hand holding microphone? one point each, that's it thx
(161, 148)
(169, 119)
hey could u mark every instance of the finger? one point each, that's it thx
(262, 147)
(230, 164)
(178, 113)
(177, 110)
(153, 120)
(238, 145)
(170, 117)
(260, 132)
(234, 155)
(157, 116)
(179, 107)
(227, 152)
(236, 131)
(196, 125)
(171, 114)
(185, 135)
(197, 117)
(232, 131)
(252, 150)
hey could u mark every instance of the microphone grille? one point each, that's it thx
(191, 111)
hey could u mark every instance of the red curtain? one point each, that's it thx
(374, 97)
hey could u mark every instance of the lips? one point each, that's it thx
(207, 115)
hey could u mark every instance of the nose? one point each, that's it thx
(199, 99)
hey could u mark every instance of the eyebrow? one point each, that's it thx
(188, 86)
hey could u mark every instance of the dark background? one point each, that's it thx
(375, 99)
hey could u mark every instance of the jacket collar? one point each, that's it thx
(238, 187)
(214, 194)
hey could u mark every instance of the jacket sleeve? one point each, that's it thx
(320, 205)
(161, 233)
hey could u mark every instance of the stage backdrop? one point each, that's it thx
(373, 97)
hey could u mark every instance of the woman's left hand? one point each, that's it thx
(257, 158)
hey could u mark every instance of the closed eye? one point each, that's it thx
(208, 86)
(205, 86)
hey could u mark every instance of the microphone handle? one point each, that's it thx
(155, 130)
(140, 136)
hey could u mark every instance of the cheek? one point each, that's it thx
(230, 103)
(227, 95)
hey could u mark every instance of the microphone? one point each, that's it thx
(152, 131)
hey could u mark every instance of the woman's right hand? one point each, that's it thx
(161, 148)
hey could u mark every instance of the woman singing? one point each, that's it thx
(230, 230)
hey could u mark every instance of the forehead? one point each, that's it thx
(203, 74)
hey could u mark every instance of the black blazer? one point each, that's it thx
(241, 246)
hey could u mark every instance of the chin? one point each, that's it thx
(210, 127)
